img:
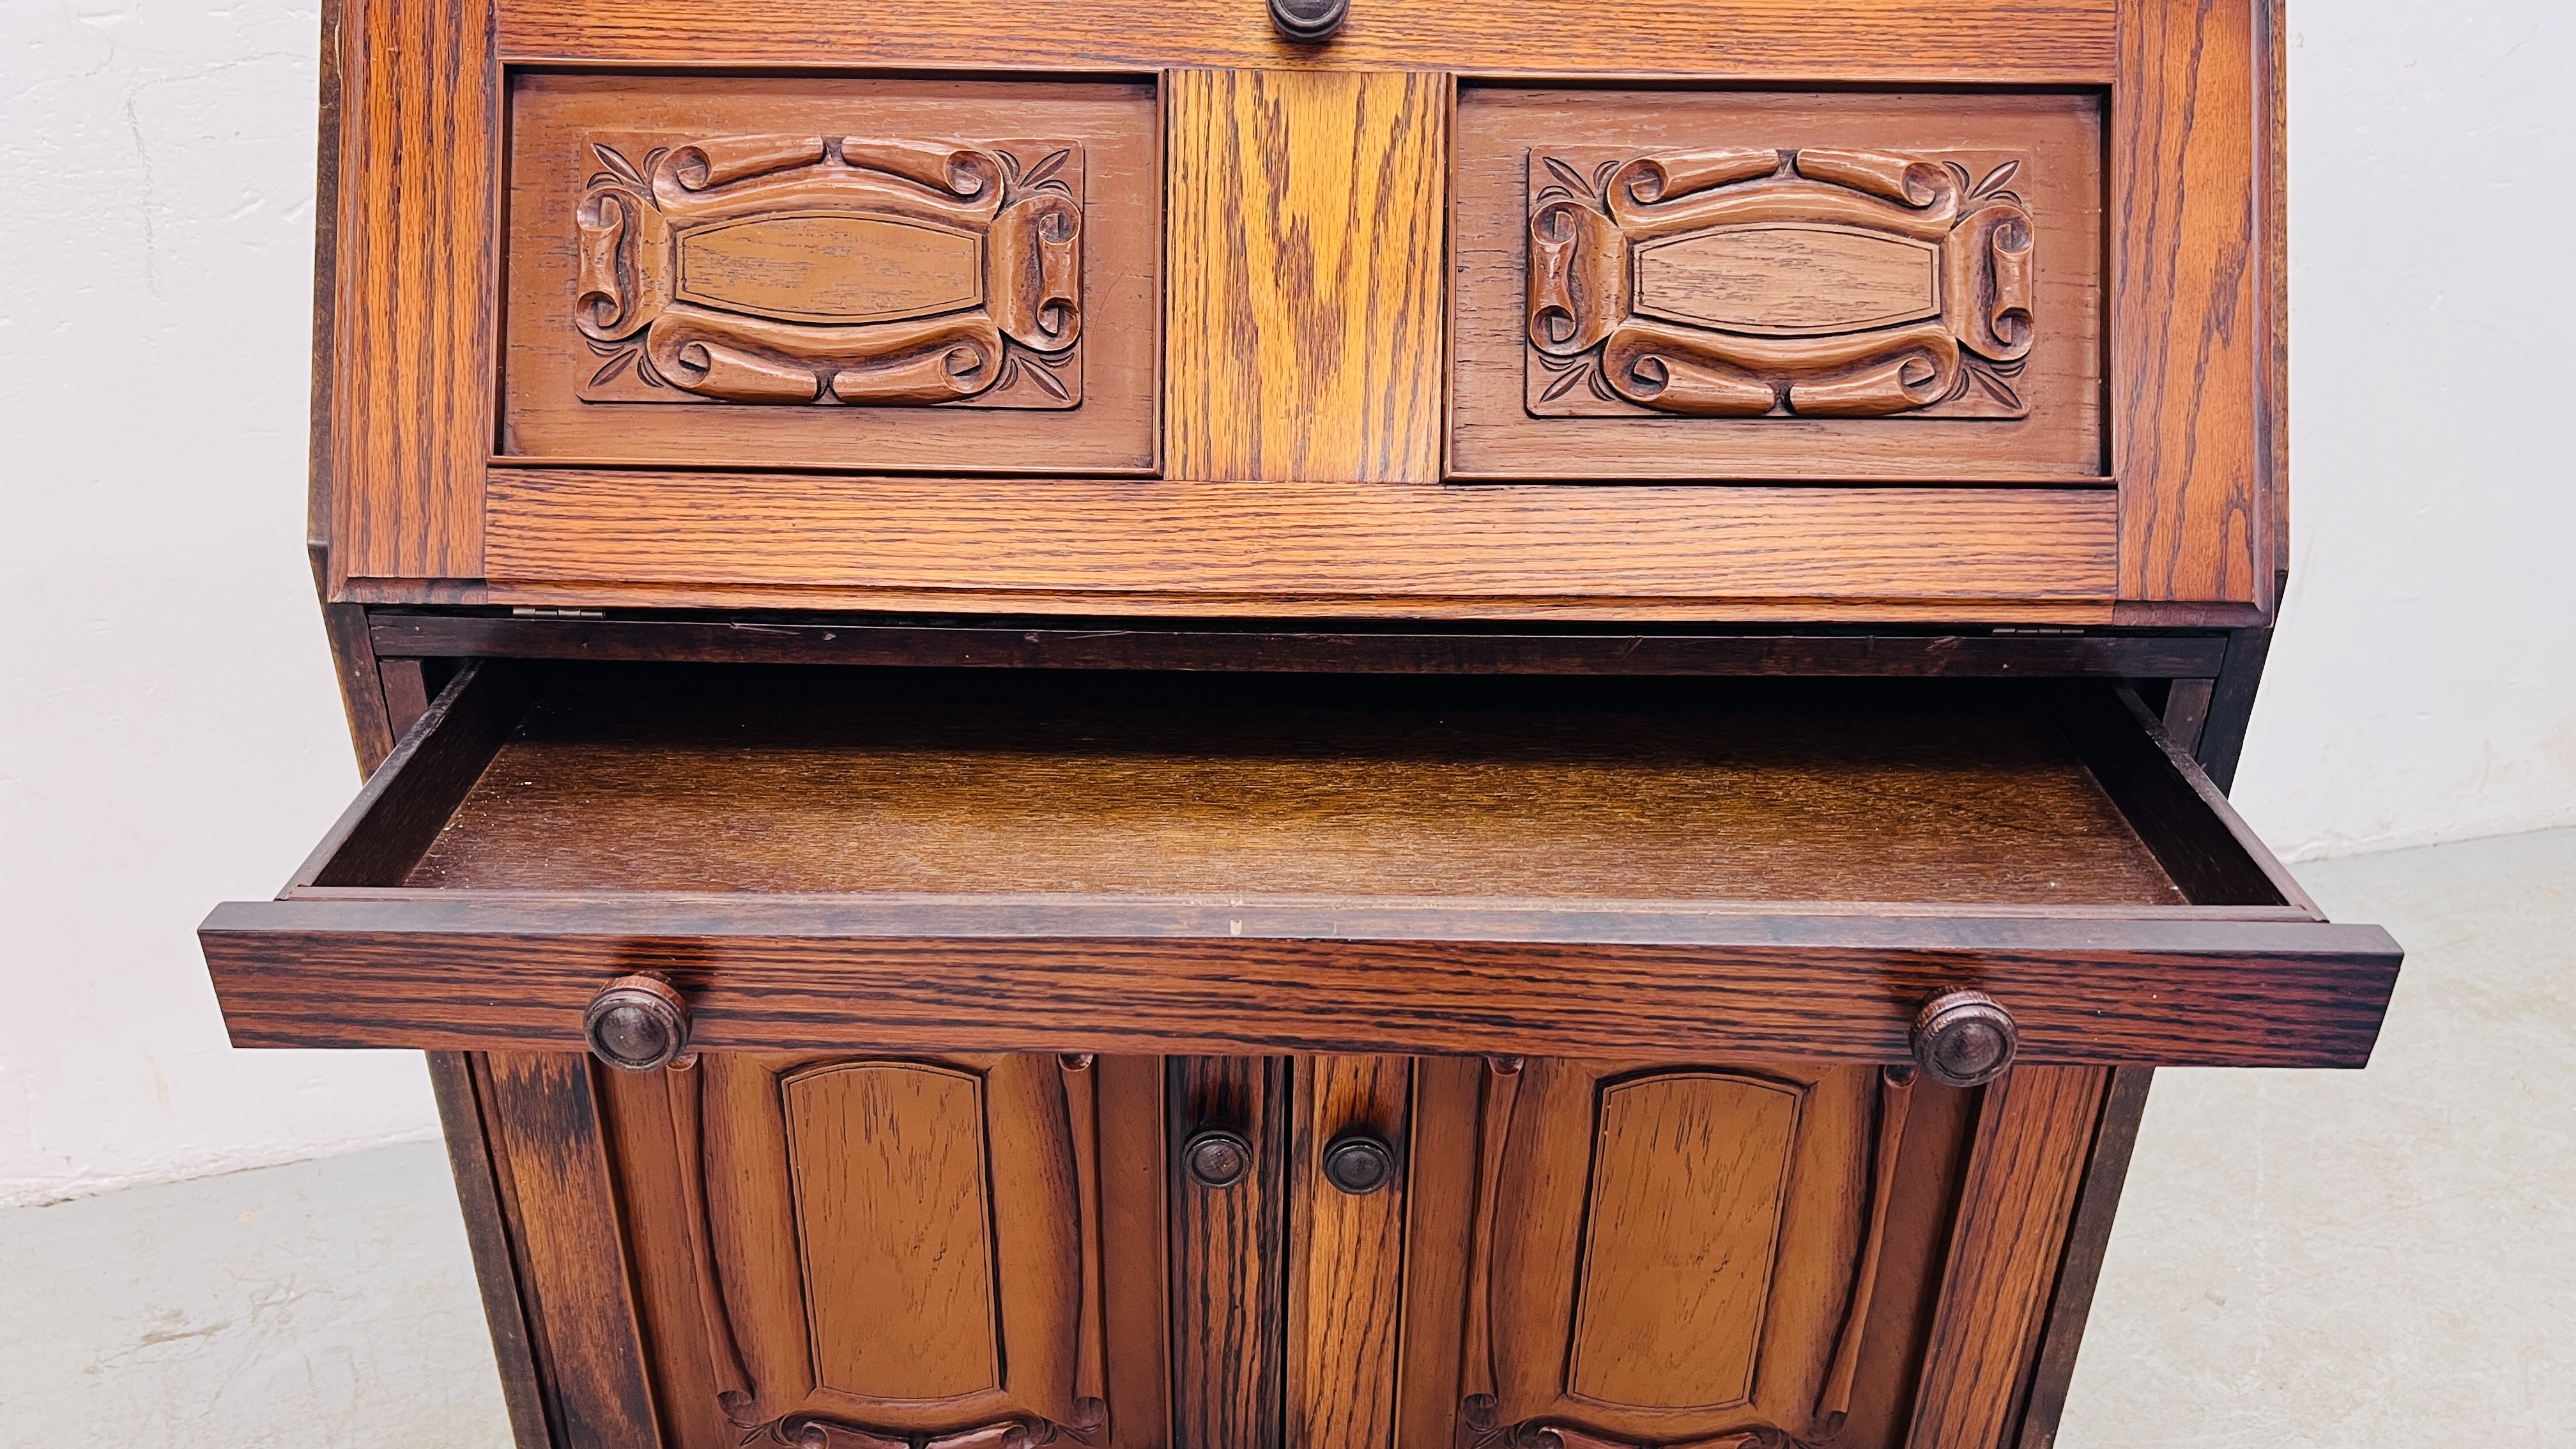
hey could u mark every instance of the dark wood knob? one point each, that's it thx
(637, 1024)
(1309, 21)
(1964, 1038)
(1215, 1157)
(1359, 1164)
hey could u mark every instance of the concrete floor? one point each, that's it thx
(2356, 1260)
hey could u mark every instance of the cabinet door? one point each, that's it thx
(859, 1251)
(1721, 1254)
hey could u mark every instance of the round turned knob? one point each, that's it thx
(1359, 1164)
(1964, 1038)
(1216, 1157)
(1309, 21)
(637, 1023)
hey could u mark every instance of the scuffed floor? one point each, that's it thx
(319, 1305)
(2353, 1260)
(2383, 1258)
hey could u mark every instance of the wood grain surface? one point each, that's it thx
(445, 970)
(1345, 1254)
(1305, 304)
(1135, 1176)
(1441, 1177)
(2088, 1241)
(562, 1203)
(2056, 141)
(2002, 42)
(1674, 1244)
(2193, 352)
(413, 345)
(461, 1082)
(1314, 549)
(1229, 1256)
(738, 780)
(2034, 1133)
(557, 119)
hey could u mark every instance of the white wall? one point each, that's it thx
(169, 735)
(2423, 681)
(169, 731)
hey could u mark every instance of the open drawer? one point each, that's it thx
(819, 858)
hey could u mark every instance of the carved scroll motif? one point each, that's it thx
(832, 270)
(1754, 283)
(807, 1431)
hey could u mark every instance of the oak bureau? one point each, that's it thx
(1284, 724)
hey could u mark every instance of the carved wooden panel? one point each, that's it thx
(1673, 1254)
(898, 1251)
(825, 270)
(1736, 285)
(863, 274)
(1750, 282)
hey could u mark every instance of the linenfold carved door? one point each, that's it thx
(1674, 1254)
(893, 1252)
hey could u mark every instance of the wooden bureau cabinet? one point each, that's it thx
(1215, 726)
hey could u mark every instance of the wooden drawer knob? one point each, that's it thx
(1216, 1158)
(1964, 1038)
(637, 1024)
(1359, 1164)
(1309, 21)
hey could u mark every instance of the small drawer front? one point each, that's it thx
(1746, 285)
(864, 275)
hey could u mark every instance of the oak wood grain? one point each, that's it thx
(445, 970)
(1506, 137)
(412, 314)
(1345, 1254)
(2017, 42)
(1135, 1177)
(900, 1236)
(2088, 1240)
(1423, 551)
(1305, 293)
(2034, 1132)
(562, 1202)
(1940, 1128)
(1674, 1243)
(647, 781)
(459, 1080)
(549, 414)
(650, 1123)
(1441, 1176)
(2192, 341)
(1228, 1256)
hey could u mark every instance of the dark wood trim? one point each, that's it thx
(2231, 705)
(1173, 976)
(2186, 712)
(362, 694)
(560, 1194)
(326, 282)
(2023, 1180)
(410, 798)
(2096, 1203)
(2208, 849)
(406, 686)
(1114, 644)
(452, 1076)
(1228, 1252)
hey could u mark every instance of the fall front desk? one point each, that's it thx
(1203, 726)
